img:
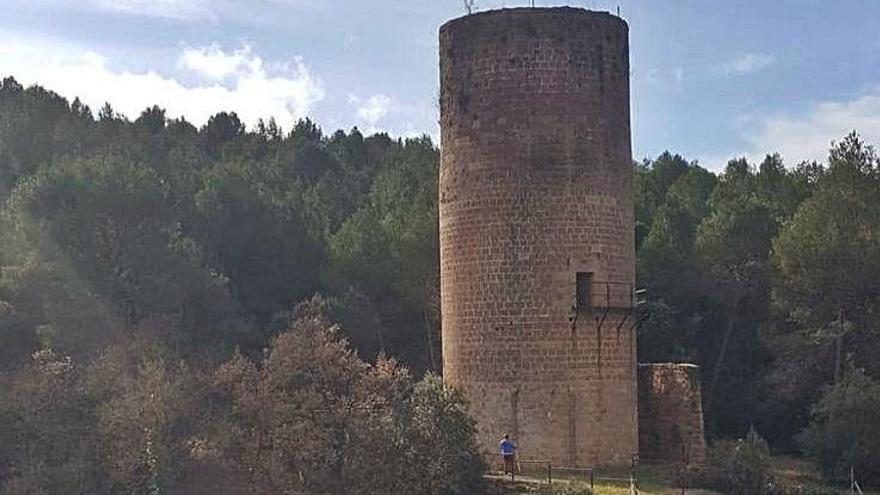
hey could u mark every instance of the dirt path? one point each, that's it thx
(528, 484)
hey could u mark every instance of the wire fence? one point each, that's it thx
(544, 469)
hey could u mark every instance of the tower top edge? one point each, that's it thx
(520, 13)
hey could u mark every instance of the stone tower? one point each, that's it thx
(536, 230)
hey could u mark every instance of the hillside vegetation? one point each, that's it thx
(192, 310)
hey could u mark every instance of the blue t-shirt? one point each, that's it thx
(507, 447)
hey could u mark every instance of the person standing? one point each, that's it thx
(508, 454)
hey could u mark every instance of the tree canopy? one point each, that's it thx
(158, 285)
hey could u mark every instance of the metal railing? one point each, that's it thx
(544, 467)
(588, 474)
(539, 463)
(612, 295)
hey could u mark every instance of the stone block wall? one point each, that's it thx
(536, 187)
(671, 413)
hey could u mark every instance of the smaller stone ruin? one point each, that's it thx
(671, 414)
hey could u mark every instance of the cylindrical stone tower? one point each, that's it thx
(536, 230)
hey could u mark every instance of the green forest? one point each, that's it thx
(256, 310)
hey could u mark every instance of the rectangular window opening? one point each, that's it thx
(584, 282)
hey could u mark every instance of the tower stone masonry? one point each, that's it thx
(537, 252)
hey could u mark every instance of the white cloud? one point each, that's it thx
(373, 109)
(748, 62)
(170, 9)
(665, 78)
(349, 41)
(808, 136)
(214, 63)
(717, 162)
(287, 92)
(192, 10)
(805, 136)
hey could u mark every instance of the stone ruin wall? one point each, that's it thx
(671, 413)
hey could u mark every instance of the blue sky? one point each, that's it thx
(710, 79)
